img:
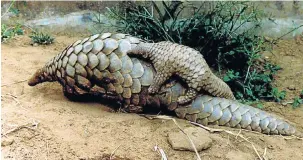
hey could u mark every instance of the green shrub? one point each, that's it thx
(41, 38)
(217, 33)
(10, 32)
(297, 102)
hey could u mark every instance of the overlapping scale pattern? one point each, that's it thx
(171, 58)
(99, 65)
(209, 110)
(100, 61)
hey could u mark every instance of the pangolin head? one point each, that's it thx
(37, 78)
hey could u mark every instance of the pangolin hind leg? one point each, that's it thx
(158, 81)
(189, 96)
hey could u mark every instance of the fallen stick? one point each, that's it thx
(170, 118)
(161, 152)
(31, 126)
(14, 98)
(229, 132)
(113, 153)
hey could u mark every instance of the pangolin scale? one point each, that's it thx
(173, 59)
(99, 66)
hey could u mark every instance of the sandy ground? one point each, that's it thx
(78, 130)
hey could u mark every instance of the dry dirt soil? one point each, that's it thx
(40, 123)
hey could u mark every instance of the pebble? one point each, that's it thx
(200, 138)
(6, 142)
(291, 87)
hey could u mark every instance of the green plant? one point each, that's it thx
(9, 32)
(230, 75)
(41, 38)
(217, 33)
(297, 102)
(277, 95)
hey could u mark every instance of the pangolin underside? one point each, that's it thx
(98, 65)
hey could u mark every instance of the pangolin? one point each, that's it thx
(98, 66)
(173, 59)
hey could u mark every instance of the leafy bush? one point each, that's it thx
(9, 32)
(41, 38)
(297, 102)
(218, 34)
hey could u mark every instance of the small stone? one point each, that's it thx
(6, 142)
(200, 138)
(292, 87)
(266, 54)
(268, 39)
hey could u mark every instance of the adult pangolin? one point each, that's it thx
(98, 66)
(173, 59)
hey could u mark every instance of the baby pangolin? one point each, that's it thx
(173, 59)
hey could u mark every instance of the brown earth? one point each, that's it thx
(60, 129)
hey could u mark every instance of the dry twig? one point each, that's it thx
(31, 126)
(229, 132)
(290, 137)
(264, 154)
(161, 152)
(47, 150)
(170, 118)
(14, 98)
(113, 153)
